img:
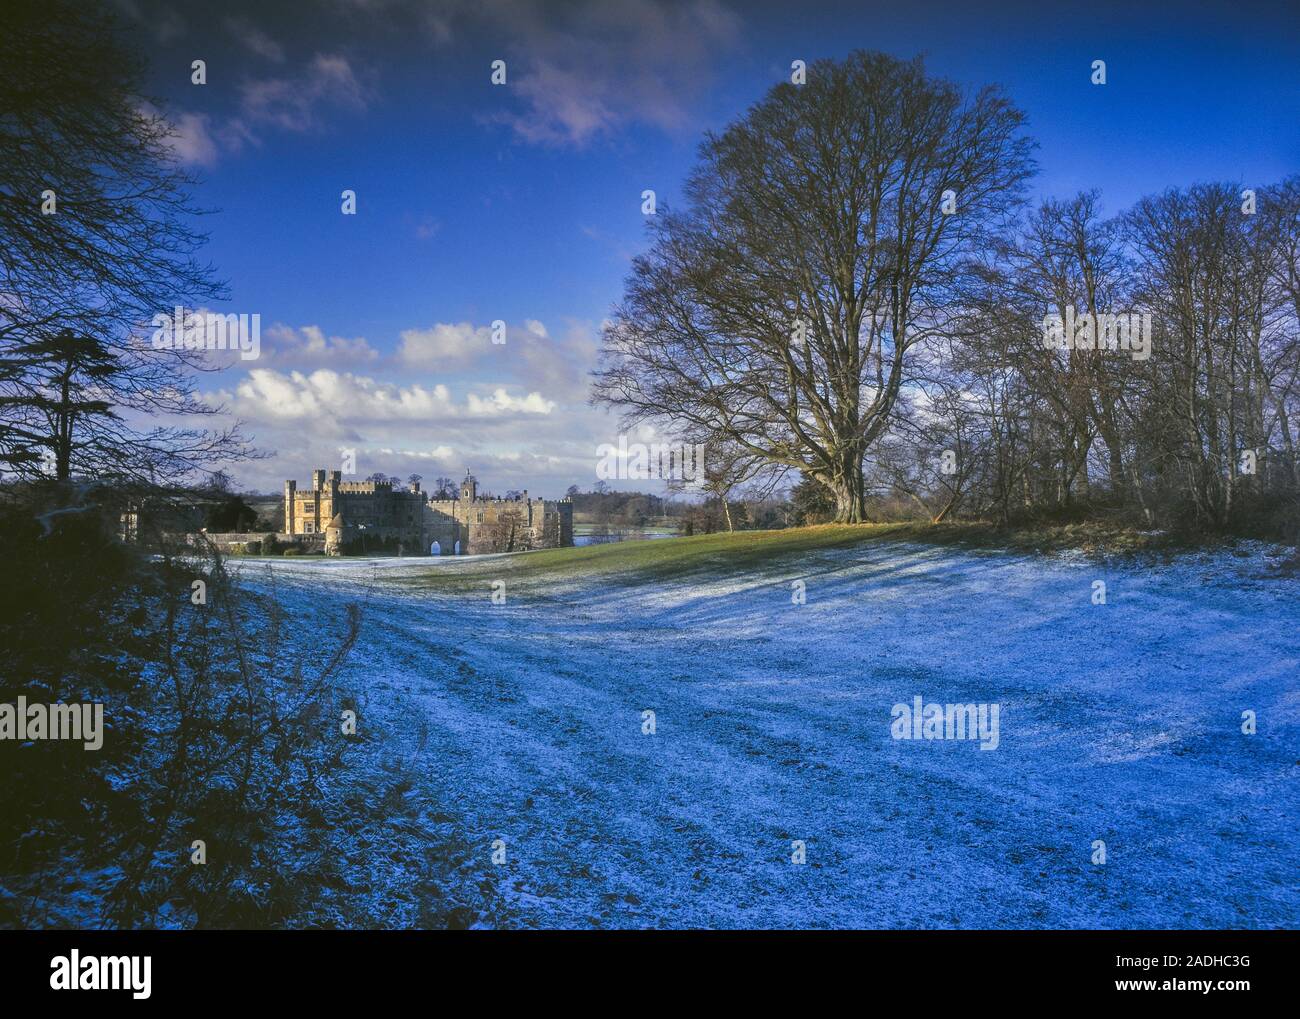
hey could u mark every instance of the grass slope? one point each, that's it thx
(708, 555)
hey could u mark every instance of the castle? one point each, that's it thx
(364, 517)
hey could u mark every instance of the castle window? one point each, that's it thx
(308, 528)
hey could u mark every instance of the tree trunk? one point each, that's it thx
(849, 487)
(952, 501)
(1117, 476)
(63, 427)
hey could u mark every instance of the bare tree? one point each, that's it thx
(825, 234)
(1208, 271)
(507, 533)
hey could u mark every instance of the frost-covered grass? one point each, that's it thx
(1119, 722)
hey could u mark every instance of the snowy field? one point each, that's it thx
(1119, 722)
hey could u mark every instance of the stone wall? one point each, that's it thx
(481, 525)
(234, 543)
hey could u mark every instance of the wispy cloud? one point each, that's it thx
(309, 346)
(191, 140)
(530, 356)
(255, 40)
(587, 69)
(445, 398)
(163, 23)
(295, 102)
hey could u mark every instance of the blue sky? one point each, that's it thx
(522, 202)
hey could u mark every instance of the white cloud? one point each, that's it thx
(502, 402)
(308, 346)
(333, 398)
(530, 358)
(191, 140)
(336, 400)
(163, 23)
(558, 367)
(444, 345)
(189, 135)
(544, 453)
(516, 413)
(291, 103)
(441, 453)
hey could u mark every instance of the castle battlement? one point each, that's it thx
(365, 487)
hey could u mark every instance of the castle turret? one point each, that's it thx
(469, 487)
(334, 536)
(290, 491)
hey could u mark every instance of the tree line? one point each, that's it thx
(858, 293)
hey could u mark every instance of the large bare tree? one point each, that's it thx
(824, 237)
